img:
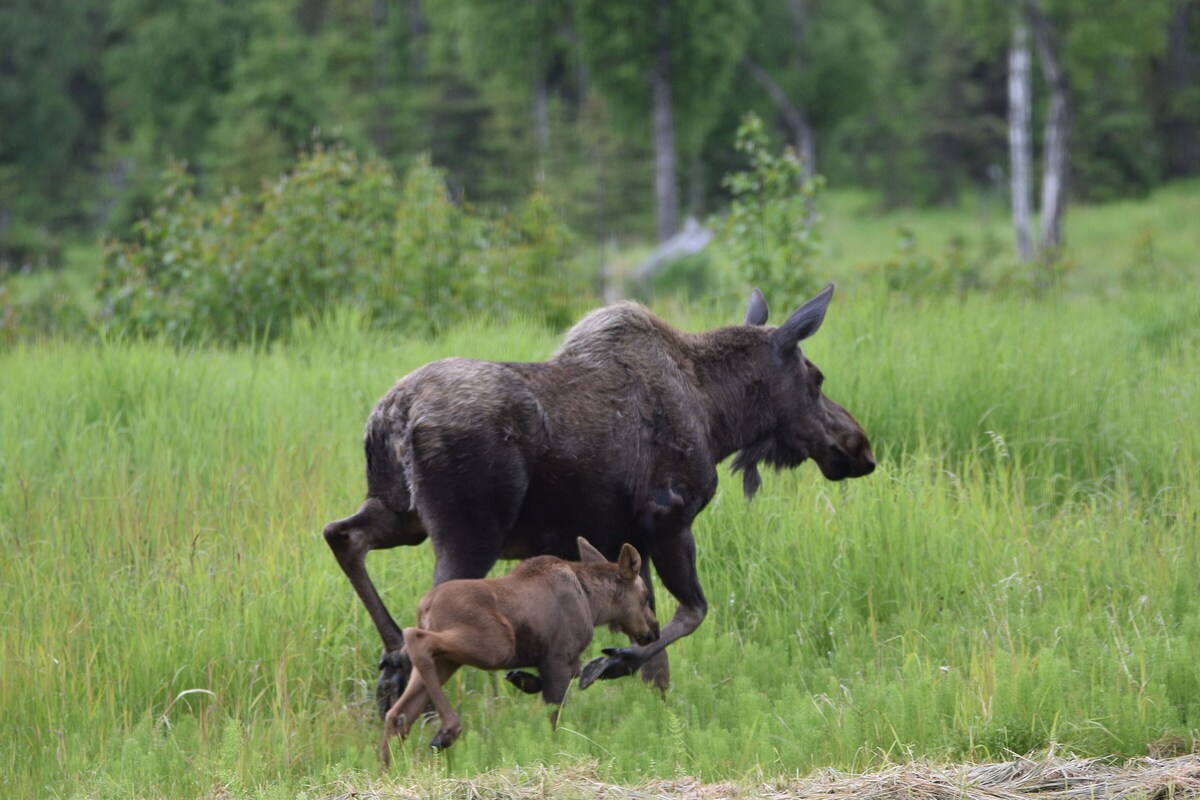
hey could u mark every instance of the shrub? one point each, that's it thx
(914, 273)
(772, 233)
(337, 230)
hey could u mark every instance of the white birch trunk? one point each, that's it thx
(1058, 130)
(1019, 145)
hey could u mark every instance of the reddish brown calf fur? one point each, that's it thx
(541, 615)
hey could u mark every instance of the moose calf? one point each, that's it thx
(539, 615)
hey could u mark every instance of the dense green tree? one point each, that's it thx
(52, 109)
(818, 62)
(614, 107)
(667, 64)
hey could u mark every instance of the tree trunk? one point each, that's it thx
(541, 102)
(663, 124)
(793, 115)
(806, 140)
(1019, 147)
(418, 30)
(1183, 139)
(381, 130)
(1058, 131)
(541, 117)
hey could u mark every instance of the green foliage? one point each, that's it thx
(914, 273)
(619, 42)
(336, 230)
(24, 248)
(772, 234)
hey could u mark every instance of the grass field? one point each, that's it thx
(1021, 570)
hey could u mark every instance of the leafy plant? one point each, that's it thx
(337, 230)
(772, 234)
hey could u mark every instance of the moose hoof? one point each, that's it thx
(657, 672)
(527, 682)
(445, 738)
(617, 662)
(394, 669)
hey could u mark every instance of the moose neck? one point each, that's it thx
(729, 369)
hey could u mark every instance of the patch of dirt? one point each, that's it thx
(1021, 779)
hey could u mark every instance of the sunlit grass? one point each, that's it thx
(1020, 570)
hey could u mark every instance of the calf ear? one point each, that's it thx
(756, 309)
(589, 554)
(803, 322)
(629, 561)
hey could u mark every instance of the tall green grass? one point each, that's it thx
(1021, 569)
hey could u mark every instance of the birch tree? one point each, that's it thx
(1019, 144)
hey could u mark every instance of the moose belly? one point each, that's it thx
(553, 515)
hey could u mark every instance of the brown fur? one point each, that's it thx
(539, 615)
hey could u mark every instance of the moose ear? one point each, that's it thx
(756, 309)
(629, 561)
(589, 554)
(803, 322)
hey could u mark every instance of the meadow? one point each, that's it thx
(1020, 572)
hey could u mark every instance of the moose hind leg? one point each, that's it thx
(375, 527)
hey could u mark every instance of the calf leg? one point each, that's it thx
(399, 719)
(556, 678)
(411, 706)
(527, 682)
(431, 653)
(376, 527)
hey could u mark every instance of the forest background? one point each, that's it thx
(623, 112)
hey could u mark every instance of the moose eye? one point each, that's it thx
(820, 380)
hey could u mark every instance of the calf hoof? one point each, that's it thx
(394, 669)
(527, 682)
(617, 662)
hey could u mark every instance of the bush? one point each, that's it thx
(772, 233)
(337, 230)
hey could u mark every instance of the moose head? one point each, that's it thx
(798, 421)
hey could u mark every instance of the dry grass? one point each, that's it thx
(1049, 778)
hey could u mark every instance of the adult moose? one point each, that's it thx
(616, 439)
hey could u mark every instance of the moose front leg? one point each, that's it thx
(657, 670)
(675, 559)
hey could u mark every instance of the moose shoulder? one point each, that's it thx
(616, 438)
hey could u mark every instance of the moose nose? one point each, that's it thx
(868, 465)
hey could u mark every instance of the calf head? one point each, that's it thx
(801, 422)
(627, 605)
